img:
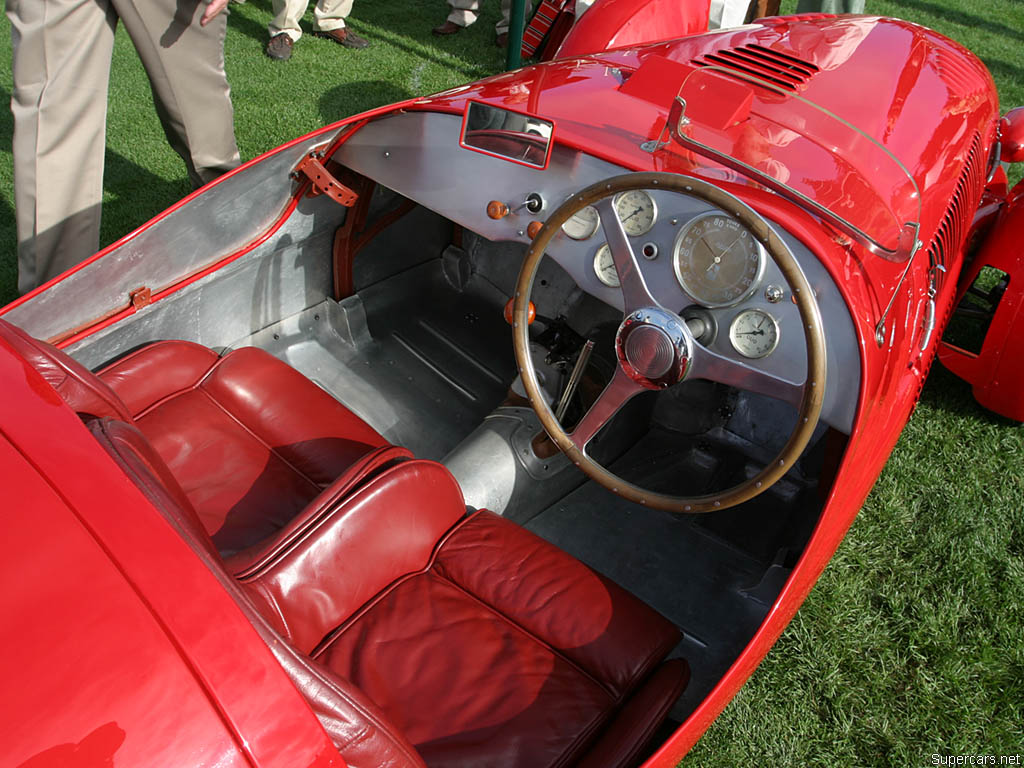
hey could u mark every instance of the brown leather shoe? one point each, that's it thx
(501, 40)
(448, 28)
(344, 36)
(279, 47)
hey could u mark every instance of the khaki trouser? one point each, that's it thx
(465, 12)
(328, 15)
(61, 66)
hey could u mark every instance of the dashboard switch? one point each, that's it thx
(497, 209)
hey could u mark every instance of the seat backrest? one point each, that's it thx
(79, 387)
(359, 730)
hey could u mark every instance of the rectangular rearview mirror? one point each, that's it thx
(514, 136)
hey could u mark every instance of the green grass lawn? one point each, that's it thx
(912, 643)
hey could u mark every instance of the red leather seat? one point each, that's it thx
(250, 440)
(423, 637)
(418, 634)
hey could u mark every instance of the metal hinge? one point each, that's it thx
(140, 297)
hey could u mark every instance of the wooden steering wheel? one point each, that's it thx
(655, 348)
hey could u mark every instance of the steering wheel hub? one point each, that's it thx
(653, 348)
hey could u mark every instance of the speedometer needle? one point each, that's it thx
(732, 244)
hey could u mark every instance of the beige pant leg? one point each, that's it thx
(286, 18)
(185, 65)
(506, 13)
(464, 12)
(331, 14)
(61, 53)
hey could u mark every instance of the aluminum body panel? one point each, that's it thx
(286, 274)
(219, 220)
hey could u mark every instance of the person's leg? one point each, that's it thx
(286, 18)
(329, 22)
(61, 52)
(185, 65)
(830, 6)
(331, 14)
(501, 28)
(463, 12)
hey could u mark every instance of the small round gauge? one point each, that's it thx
(754, 333)
(637, 212)
(604, 267)
(717, 261)
(582, 224)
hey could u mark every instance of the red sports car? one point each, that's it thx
(504, 427)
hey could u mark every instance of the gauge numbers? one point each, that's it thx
(754, 333)
(717, 261)
(604, 267)
(637, 212)
(583, 223)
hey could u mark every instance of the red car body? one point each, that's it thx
(112, 650)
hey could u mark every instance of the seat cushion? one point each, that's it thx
(507, 652)
(250, 440)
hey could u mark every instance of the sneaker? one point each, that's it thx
(344, 36)
(279, 47)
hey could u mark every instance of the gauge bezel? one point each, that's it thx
(754, 311)
(597, 225)
(654, 211)
(597, 271)
(754, 284)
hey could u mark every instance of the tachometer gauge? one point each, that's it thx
(604, 267)
(717, 261)
(754, 333)
(582, 224)
(637, 212)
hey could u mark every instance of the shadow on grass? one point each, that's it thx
(945, 391)
(243, 19)
(351, 98)
(947, 13)
(1000, 68)
(134, 195)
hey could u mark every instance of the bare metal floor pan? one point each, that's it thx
(420, 361)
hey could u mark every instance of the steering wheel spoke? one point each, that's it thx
(705, 364)
(619, 391)
(635, 293)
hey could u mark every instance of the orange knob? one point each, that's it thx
(531, 313)
(497, 209)
(534, 228)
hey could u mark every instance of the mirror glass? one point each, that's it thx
(512, 135)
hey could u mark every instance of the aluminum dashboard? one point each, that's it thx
(418, 155)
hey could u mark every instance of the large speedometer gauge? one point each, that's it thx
(717, 261)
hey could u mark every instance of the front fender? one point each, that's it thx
(621, 23)
(996, 373)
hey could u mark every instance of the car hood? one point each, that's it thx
(872, 119)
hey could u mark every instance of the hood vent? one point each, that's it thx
(781, 69)
(953, 227)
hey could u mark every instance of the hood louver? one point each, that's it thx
(781, 69)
